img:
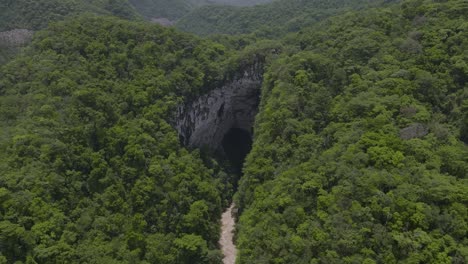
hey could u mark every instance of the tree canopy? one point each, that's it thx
(36, 14)
(359, 151)
(269, 20)
(92, 171)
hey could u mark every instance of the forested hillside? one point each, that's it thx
(170, 9)
(175, 9)
(360, 151)
(20, 18)
(239, 2)
(92, 172)
(274, 19)
(36, 14)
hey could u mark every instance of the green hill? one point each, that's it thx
(360, 152)
(36, 14)
(359, 148)
(175, 9)
(19, 15)
(91, 170)
(170, 9)
(273, 19)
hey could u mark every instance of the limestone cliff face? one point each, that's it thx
(204, 121)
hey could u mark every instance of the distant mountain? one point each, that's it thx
(169, 9)
(82, 79)
(277, 17)
(175, 9)
(20, 18)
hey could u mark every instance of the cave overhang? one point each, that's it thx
(203, 122)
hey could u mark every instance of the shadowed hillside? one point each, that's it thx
(36, 14)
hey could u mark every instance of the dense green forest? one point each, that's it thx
(91, 170)
(170, 9)
(339, 172)
(269, 20)
(175, 9)
(37, 14)
(359, 150)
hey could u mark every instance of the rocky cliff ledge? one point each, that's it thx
(205, 121)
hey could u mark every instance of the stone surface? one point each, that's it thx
(415, 130)
(204, 121)
(16, 37)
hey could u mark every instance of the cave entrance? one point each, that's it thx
(237, 143)
(220, 124)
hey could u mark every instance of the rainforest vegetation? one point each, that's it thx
(175, 9)
(272, 20)
(36, 14)
(333, 177)
(359, 150)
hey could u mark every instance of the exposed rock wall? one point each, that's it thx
(204, 121)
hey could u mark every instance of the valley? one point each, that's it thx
(287, 131)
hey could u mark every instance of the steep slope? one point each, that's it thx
(19, 18)
(169, 9)
(274, 19)
(92, 172)
(360, 152)
(359, 146)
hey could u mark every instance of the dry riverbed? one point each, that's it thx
(226, 240)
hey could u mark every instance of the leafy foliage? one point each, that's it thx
(170, 9)
(92, 172)
(175, 9)
(359, 154)
(271, 20)
(329, 179)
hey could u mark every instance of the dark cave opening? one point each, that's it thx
(236, 144)
(220, 124)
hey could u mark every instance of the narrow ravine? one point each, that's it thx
(226, 240)
(221, 122)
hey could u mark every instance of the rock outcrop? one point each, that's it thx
(204, 121)
(415, 130)
(16, 37)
